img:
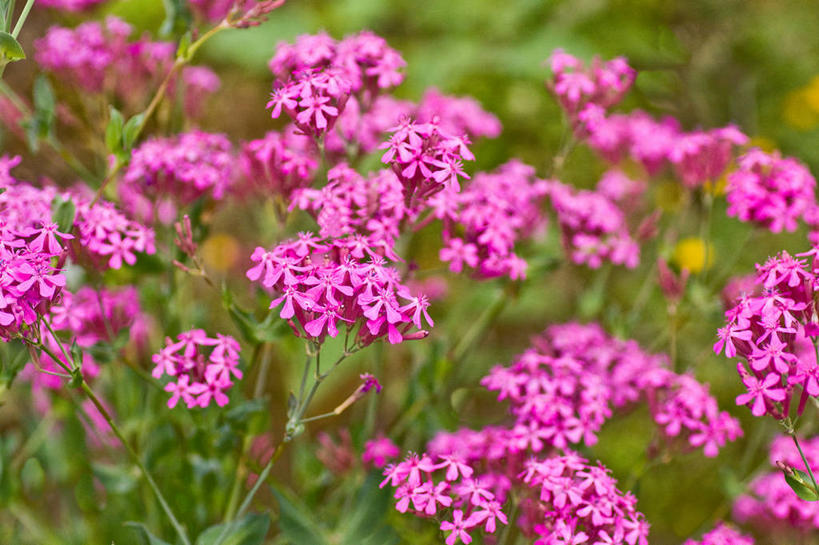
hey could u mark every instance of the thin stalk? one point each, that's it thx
(104, 412)
(480, 325)
(178, 64)
(792, 433)
(180, 530)
(233, 499)
(18, 26)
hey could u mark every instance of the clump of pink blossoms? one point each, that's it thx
(323, 285)
(770, 191)
(352, 204)
(722, 535)
(102, 58)
(277, 164)
(563, 389)
(426, 487)
(772, 332)
(165, 173)
(425, 158)
(702, 156)
(317, 75)
(593, 228)
(770, 504)
(576, 502)
(105, 237)
(601, 85)
(201, 368)
(483, 222)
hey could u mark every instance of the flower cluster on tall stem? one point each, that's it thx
(774, 333)
(345, 283)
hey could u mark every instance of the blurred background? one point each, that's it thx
(706, 62)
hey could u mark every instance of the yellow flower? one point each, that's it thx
(798, 110)
(694, 254)
(220, 252)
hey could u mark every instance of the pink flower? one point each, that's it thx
(759, 391)
(457, 527)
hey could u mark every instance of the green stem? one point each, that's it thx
(480, 325)
(178, 64)
(233, 499)
(792, 433)
(22, 19)
(162, 501)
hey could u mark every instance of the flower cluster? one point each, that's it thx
(93, 316)
(722, 535)
(702, 156)
(319, 283)
(483, 222)
(70, 5)
(697, 157)
(593, 227)
(101, 58)
(425, 158)
(350, 204)
(198, 376)
(457, 115)
(600, 85)
(87, 317)
(772, 332)
(277, 164)
(770, 502)
(470, 504)
(108, 237)
(313, 100)
(563, 389)
(168, 172)
(30, 281)
(363, 60)
(770, 191)
(377, 451)
(576, 502)
(105, 237)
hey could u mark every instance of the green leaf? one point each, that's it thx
(62, 213)
(115, 479)
(41, 124)
(296, 522)
(800, 483)
(113, 132)
(184, 44)
(44, 99)
(365, 523)
(130, 131)
(10, 48)
(147, 537)
(249, 530)
(178, 18)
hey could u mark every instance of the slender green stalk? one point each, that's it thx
(18, 26)
(178, 64)
(480, 325)
(792, 433)
(180, 530)
(233, 499)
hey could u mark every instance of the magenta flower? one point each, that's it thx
(201, 368)
(457, 527)
(759, 391)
